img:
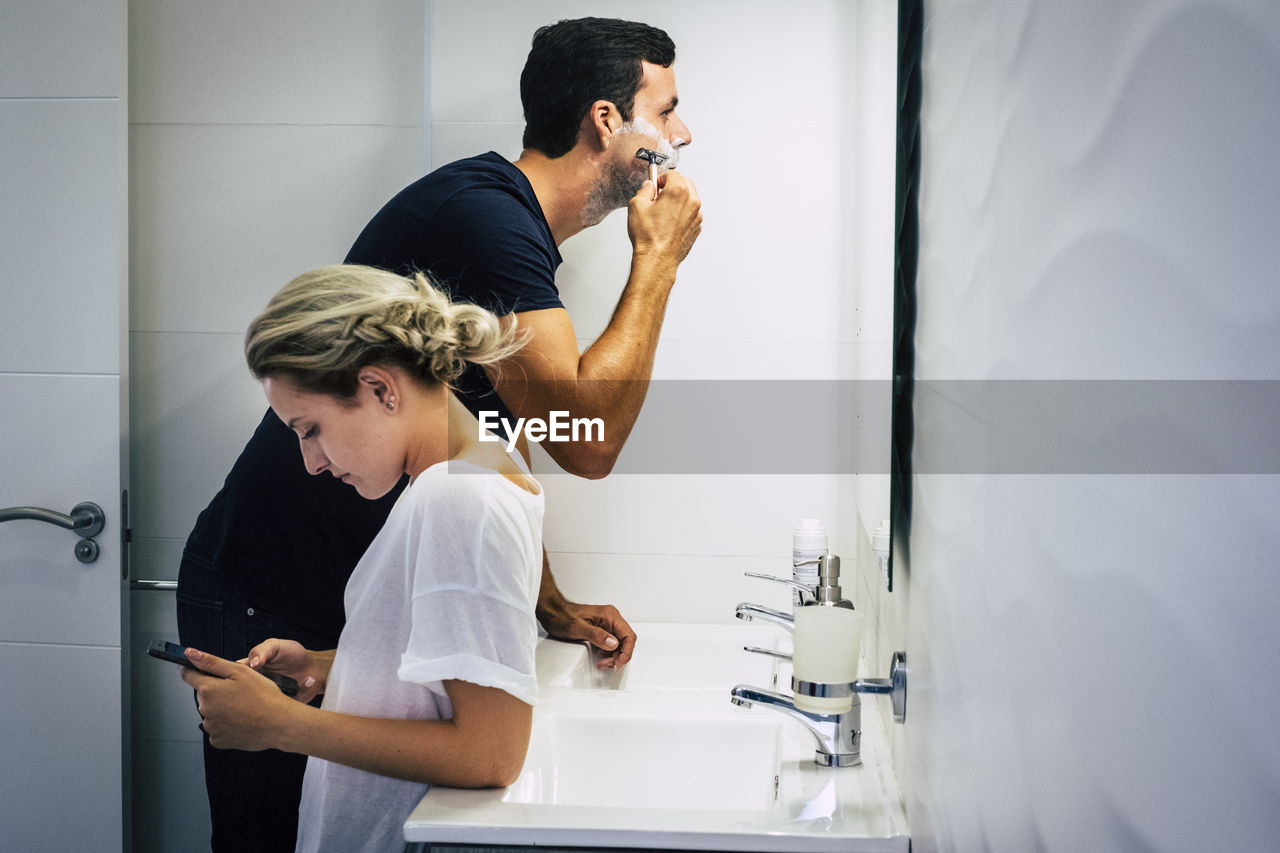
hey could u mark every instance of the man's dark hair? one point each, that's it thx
(574, 63)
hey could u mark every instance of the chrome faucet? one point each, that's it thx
(748, 612)
(838, 735)
(807, 592)
(826, 593)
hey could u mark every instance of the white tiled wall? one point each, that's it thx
(1092, 656)
(262, 138)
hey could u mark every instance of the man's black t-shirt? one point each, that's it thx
(286, 540)
(478, 229)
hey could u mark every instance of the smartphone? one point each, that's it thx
(174, 653)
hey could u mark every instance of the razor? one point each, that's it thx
(654, 159)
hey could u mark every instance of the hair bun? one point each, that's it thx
(328, 323)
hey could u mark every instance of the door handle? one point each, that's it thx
(86, 521)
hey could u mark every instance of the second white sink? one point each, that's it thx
(701, 764)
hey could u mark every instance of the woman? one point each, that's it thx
(433, 680)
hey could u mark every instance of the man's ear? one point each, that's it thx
(600, 123)
(381, 384)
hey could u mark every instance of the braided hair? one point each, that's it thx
(326, 325)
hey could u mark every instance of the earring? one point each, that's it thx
(391, 404)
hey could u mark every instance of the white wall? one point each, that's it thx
(1093, 656)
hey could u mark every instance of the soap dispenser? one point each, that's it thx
(828, 638)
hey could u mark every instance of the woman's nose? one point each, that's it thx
(313, 457)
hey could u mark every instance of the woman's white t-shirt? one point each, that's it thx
(446, 590)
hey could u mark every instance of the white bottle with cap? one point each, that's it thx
(808, 543)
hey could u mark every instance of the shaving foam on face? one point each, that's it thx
(622, 177)
(655, 140)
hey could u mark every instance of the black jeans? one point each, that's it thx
(253, 796)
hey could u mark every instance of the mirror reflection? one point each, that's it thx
(790, 130)
(792, 118)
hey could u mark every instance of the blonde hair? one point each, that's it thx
(326, 325)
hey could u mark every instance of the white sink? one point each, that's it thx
(702, 763)
(657, 757)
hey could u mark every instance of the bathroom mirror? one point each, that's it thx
(784, 333)
(906, 250)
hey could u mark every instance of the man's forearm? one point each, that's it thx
(609, 381)
(614, 372)
(626, 348)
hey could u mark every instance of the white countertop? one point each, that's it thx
(660, 758)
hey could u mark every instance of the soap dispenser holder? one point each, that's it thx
(895, 687)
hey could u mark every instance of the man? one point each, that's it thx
(579, 163)
(271, 554)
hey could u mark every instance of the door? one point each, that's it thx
(63, 245)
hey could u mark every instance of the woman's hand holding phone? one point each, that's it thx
(241, 709)
(288, 658)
